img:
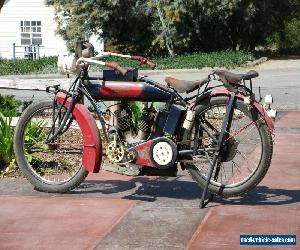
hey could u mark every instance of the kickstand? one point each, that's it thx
(213, 162)
(204, 201)
(205, 193)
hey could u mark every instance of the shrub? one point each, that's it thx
(27, 66)
(33, 136)
(291, 36)
(6, 141)
(228, 59)
(9, 105)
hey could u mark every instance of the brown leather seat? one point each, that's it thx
(182, 86)
(229, 77)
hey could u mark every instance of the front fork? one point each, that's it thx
(225, 127)
(63, 123)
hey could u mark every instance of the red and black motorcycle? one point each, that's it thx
(223, 137)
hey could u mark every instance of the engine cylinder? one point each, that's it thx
(124, 119)
(145, 123)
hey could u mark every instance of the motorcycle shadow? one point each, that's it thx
(263, 195)
(142, 188)
(149, 189)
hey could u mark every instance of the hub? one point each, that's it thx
(163, 153)
(229, 150)
(158, 153)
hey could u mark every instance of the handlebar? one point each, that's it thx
(116, 67)
(144, 60)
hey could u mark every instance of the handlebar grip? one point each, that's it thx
(144, 60)
(116, 67)
(151, 64)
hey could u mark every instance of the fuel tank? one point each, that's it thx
(118, 90)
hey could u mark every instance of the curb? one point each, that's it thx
(257, 62)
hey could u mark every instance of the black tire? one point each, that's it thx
(28, 170)
(230, 190)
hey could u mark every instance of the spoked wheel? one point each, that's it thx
(54, 166)
(246, 154)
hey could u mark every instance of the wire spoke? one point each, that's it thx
(246, 159)
(57, 161)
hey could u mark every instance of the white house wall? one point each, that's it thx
(15, 11)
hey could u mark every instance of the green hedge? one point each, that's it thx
(22, 66)
(228, 59)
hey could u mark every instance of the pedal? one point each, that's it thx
(120, 169)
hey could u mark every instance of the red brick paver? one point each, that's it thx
(278, 212)
(57, 222)
(290, 120)
(224, 225)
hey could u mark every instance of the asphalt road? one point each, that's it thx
(282, 83)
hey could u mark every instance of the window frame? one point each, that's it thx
(31, 32)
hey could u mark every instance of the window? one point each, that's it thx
(31, 32)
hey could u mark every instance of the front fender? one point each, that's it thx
(254, 104)
(92, 146)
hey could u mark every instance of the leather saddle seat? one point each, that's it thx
(226, 77)
(233, 78)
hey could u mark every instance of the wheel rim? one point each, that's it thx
(56, 162)
(239, 162)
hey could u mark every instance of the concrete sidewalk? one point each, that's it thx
(109, 211)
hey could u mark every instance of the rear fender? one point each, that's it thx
(92, 147)
(239, 95)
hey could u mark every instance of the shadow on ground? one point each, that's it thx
(262, 195)
(145, 189)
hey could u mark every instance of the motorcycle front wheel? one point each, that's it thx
(245, 159)
(53, 167)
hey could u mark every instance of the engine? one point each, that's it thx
(124, 134)
(144, 143)
(124, 123)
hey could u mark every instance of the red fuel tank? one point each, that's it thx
(139, 91)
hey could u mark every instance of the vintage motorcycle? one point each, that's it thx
(222, 136)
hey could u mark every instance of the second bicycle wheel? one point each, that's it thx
(245, 159)
(54, 166)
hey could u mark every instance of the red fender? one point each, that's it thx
(92, 147)
(255, 104)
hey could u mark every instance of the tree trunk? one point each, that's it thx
(168, 40)
(1, 4)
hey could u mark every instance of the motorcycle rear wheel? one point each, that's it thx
(50, 167)
(248, 156)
